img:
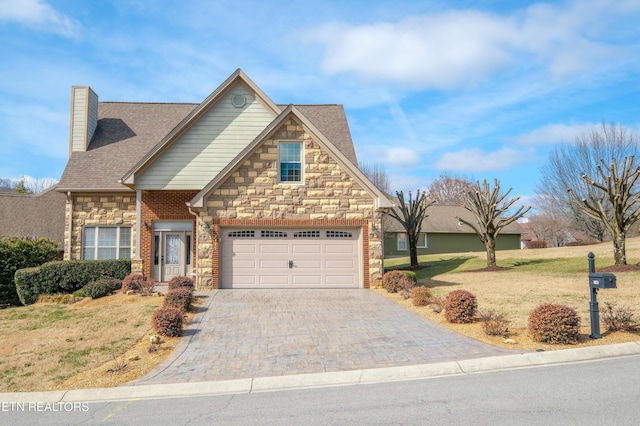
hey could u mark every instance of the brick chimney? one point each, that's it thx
(84, 117)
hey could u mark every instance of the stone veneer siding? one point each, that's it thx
(161, 205)
(328, 197)
(98, 210)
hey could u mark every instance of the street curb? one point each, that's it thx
(339, 378)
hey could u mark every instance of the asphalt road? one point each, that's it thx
(604, 392)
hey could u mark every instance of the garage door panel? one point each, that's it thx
(340, 249)
(340, 280)
(274, 280)
(306, 249)
(243, 248)
(273, 264)
(244, 264)
(339, 264)
(314, 281)
(271, 248)
(313, 265)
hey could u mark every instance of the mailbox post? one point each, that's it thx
(597, 281)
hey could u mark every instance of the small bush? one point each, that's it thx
(79, 294)
(420, 295)
(394, 281)
(167, 321)
(132, 282)
(102, 287)
(617, 319)
(494, 323)
(553, 323)
(180, 281)
(537, 244)
(460, 306)
(179, 297)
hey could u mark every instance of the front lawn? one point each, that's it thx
(531, 277)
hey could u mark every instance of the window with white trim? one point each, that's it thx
(422, 241)
(106, 242)
(402, 241)
(290, 157)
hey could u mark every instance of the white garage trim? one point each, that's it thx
(290, 258)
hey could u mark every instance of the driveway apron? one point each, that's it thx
(260, 333)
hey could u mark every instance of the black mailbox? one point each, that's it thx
(602, 280)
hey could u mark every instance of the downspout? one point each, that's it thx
(195, 241)
(138, 222)
(70, 233)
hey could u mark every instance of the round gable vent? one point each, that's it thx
(238, 101)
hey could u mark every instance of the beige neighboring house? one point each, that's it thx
(236, 191)
(441, 232)
(33, 216)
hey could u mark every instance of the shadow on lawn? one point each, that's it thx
(432, 268)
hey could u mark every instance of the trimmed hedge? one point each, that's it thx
(66, 276)
(460, 307)
(554, 323)
(17, 254)
(179, 297)
(395, 281)
(180, 281)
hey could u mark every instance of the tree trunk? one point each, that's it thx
(490, 244)
(413, 254)
(619, 249)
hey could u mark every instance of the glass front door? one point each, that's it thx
(172, 254)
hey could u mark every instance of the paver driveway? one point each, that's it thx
(260, 333)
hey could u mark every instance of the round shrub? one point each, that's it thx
(553, 323)
(101, 288)
(460, 306)
(180, 281)
(394, 281)
(179, 297)
(421, 296)
(132, 282)
(167, 321)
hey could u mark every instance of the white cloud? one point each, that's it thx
(554, 133)
(476, 160)
(402, 157)
(460, 48)
(38, 14)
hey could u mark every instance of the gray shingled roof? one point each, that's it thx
(126, 132)
(33, 216)
(442, 219)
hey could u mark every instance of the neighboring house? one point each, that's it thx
(33, 216)
(235, 191)
(441, 232)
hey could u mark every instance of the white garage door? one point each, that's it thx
(298, 258)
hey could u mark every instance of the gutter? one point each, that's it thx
(70, 223)
(194, 267)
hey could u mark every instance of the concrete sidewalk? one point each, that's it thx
(343, 378)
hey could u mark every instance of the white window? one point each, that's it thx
(422, 241)
(402, 241)
(290, 162)
(106, 242)
(404, 245)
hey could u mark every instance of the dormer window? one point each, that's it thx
(290, 161)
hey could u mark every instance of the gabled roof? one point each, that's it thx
(130, 134)
(294, 112)
(33, 216)
(443, 219)
(126, 131)
(237, 77)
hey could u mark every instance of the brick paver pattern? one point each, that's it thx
(273, 332)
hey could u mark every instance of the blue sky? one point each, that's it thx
(477, 88)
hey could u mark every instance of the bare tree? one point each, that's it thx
(410, 215)
(377, 174)
(550, 228)
(490, 210)
(612, 200)
(449, 190)
(569, 161)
